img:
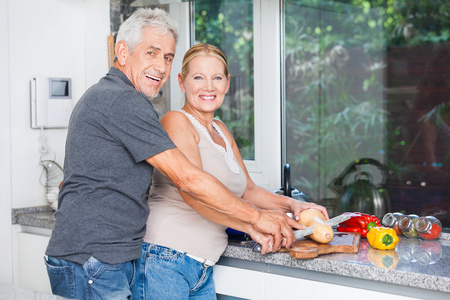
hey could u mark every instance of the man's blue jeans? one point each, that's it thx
(92, 280)
(166, 274)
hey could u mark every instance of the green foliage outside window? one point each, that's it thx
(335, 85)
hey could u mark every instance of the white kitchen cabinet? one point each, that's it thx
(255, 285)
(282, 287)
(29, 267)
(239, 283)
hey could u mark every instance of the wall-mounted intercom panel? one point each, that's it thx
(51, 102)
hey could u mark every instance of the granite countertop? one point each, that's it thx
(417, 263)
(39, 216)
(414, 263)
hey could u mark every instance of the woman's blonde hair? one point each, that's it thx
(202, 50)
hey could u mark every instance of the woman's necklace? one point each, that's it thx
(227, 152)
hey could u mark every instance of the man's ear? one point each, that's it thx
(122, 52)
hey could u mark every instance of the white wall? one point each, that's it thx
(49, 38)
(5, 153)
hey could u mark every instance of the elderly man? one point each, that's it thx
(114, 141)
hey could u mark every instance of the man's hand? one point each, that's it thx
(279, 226)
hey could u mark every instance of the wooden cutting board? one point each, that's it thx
(342, 242)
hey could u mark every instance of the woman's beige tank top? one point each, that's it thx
(174, 224)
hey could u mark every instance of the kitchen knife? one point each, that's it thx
(307, 231)
(339, 219)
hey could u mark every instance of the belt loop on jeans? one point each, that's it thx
(205, 262)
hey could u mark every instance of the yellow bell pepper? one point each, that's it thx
(382, 238)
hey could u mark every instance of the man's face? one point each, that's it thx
(148, 67)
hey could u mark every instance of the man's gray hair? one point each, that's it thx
(131, 30)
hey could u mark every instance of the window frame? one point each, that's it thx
(265, 169)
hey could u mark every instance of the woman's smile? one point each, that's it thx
(208, 97)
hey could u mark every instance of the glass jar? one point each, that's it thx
(391, 220)
(429, 228)
(407, 225)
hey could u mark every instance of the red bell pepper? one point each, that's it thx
(358, 223)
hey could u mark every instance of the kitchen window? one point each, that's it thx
(369, 79)
(360, 80)
(322, 85)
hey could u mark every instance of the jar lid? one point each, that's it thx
(405, 223)
(423, 224)
(389, 220)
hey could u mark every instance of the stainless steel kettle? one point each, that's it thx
(288, 190)
(362, 195)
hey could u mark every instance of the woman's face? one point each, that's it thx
(205, 85)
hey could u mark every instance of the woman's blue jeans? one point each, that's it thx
(92, 280)
(164, 273)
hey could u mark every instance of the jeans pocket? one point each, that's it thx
(95, 268)
(109, 281)
(62, 277)
(163, 253)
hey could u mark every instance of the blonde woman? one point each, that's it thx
(184, 238)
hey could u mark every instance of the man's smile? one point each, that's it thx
(154, 77)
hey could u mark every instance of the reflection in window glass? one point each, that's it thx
(228, 24)
(369, 79)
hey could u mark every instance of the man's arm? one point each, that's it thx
(201, 186)
(205, 188)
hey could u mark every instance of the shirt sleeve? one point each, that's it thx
(135, 124)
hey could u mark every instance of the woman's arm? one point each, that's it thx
(263, 198)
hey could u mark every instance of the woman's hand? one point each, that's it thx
(298, 206)
(263, 239)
